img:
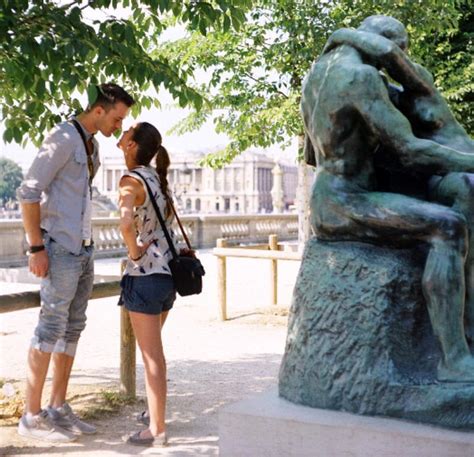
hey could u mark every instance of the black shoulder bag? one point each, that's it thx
(187, 271)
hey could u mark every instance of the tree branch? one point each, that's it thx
(268, 85)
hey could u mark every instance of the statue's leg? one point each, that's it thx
(457, 191)
(443, 288)
(378, 217)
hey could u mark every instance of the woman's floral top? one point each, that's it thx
(149, 229)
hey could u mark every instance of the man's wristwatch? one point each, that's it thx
(35, 249)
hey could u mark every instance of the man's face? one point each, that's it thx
(110, 121)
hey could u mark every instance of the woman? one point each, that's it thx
(148, 292)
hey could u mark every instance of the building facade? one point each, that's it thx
(244, 186)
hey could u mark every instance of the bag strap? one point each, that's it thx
(90, 166)
(179, 222)
(81, 133)
(160, 218)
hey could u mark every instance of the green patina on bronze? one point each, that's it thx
(394, 171)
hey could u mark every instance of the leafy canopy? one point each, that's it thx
(52, 51)
(255, 71)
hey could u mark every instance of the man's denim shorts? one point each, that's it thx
(150, 294)
(64, 296)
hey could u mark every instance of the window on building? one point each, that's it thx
(118, 175)
(197, 205)
(227, 179)
(238, 179)
(109, 180)
(219, 179)
(198, 178)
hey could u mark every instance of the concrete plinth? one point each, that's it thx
(267, 425)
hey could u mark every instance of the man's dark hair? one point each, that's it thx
(109, 94)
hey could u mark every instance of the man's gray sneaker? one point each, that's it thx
(41, 427)
(65, 418)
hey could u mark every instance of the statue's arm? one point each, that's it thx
(385, 53)
(394, 130)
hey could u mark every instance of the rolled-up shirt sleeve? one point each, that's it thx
(53, 154)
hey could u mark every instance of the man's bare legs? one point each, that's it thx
(62, 366)
(38, 363)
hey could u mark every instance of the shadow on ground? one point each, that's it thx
(196, 391)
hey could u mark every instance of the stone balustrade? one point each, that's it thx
(202, 230)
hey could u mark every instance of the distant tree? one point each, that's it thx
(256, 71)
(452, 63)
(10, 179)
(53, 50)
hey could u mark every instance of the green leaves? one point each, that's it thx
(52, 50)
(92, 94)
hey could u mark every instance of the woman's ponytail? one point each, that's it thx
(162, 161)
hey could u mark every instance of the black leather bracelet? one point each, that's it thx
(136, 258)
(35, 249)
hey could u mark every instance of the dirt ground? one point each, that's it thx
(197, 389)
(210, 364)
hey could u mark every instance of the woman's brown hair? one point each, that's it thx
(148, 140)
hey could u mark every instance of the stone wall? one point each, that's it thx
(203, 231)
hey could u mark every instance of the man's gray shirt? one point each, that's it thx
(58, 179)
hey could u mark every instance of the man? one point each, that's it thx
(56, 205)
(348, 117)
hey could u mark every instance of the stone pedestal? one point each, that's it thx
(267, 425)
(360, 339)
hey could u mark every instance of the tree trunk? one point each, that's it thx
(302, 197)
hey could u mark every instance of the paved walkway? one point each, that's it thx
(210, 363)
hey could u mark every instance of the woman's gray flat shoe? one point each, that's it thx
(155, 441)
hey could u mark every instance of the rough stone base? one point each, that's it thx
(360, 338)
(267, 425)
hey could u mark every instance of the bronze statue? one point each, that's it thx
(359, 126)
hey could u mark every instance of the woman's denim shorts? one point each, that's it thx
(150, 294)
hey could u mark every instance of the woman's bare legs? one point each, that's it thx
(147, 329)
